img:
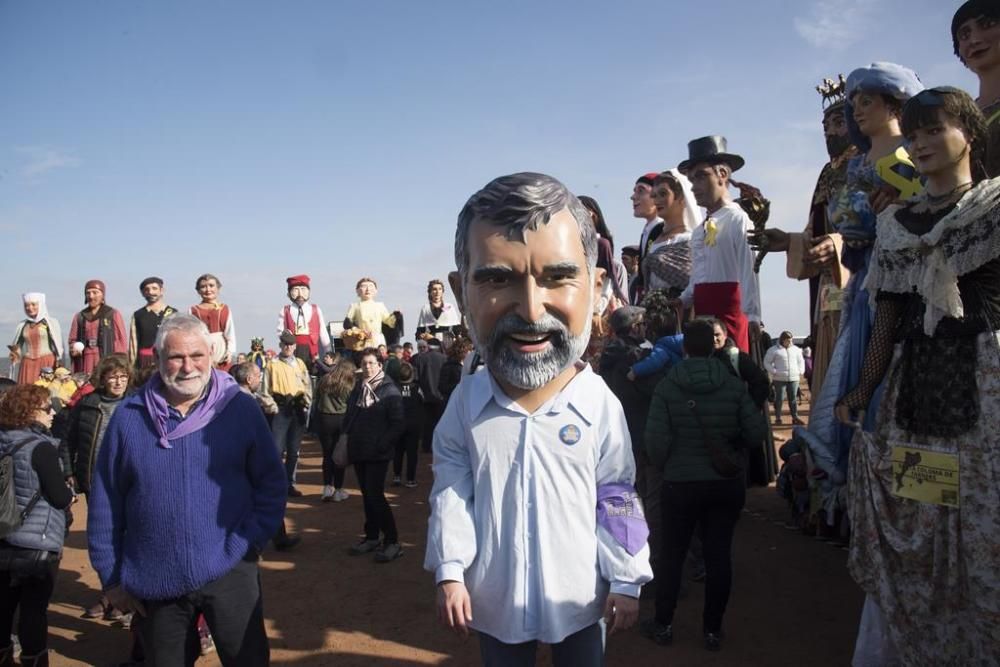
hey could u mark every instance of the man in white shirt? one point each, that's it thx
(786, 366)
(536, 533)
(305, 321)
(723, 283)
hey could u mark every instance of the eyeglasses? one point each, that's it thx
(116, 378)
(47, 408)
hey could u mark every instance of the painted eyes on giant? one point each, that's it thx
(983, 23)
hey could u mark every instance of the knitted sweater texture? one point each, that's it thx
(165, 522)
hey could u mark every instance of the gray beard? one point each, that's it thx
(536, 369)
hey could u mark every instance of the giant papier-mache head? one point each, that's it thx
(298, 289)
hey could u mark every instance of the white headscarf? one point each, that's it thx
(39, 298)
(692, 214)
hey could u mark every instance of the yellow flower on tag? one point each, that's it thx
(711, 231)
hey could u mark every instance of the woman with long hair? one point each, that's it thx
(331, 406)
(615, 277)
(30, 554)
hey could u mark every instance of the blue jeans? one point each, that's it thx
(287, 429)
(581, 649)
(792, 388)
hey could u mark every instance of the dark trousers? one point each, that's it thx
(288, 428)
(432, 415)
(407, 445)
(27, 590)
(714, 506)
(584, 648)
(234, 609)
(329, 428)
(378, 515)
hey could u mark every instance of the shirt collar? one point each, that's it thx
(484, 388)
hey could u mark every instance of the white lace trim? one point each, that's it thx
(962, 241)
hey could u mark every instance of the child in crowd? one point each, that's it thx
(413, 408)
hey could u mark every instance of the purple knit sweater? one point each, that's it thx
(165, 522)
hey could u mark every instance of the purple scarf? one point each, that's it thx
(221, 389)
(619, 510)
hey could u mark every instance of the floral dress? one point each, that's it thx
(924, 488)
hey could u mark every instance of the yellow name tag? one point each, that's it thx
(926, 476)
(831, 298)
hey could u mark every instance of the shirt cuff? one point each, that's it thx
(449, 572)
(623, 588)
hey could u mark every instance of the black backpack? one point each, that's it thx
(10, 517)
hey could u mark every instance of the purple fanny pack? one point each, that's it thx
(619, 510)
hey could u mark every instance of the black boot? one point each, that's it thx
(285, 542)
(39, 660)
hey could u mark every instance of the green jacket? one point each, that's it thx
(675, 441)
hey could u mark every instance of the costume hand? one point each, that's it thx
(620, 612)
(454, 606)
(123, 600)
(822, 253)
(630, 375)
(844, 416)
(777, 240)
(882, 198)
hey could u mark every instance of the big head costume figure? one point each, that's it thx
(96, 331)
(146, 322)
(536, 425)
(367, 319)
(975, 34)
(304, 320)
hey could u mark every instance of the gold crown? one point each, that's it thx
(833, 92)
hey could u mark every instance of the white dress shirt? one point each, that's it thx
(514, 507)
(301, 317)
(730, 260)
(450, 317)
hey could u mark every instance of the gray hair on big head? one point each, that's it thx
(518, 202)
(181, 323)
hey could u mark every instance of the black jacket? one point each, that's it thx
(373, 431)
(635, 396)
(428, 366)
(85, 420)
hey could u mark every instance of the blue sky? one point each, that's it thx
(256, 140)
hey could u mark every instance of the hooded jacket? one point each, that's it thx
(675, 440)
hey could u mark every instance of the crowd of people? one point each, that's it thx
(630, 391)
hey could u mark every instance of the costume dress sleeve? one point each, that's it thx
(230, 335)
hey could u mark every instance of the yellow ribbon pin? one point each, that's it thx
(711, 231)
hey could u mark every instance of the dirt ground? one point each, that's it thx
(792, 602)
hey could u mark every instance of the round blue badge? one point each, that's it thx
(569, 434)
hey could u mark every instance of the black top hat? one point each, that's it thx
(711, 149)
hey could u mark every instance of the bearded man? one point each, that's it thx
(146, 322)
(538, 430)
(304, 320)
(187, 490)
(96, 331)
(815, 254)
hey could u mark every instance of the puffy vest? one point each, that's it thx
(45, 526)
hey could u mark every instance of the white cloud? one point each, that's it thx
(835, 23)
(42, 159)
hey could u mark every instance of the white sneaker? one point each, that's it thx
(327, 493)
(340, 495)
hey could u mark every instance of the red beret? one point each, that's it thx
(296, 281)
(647, 178)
